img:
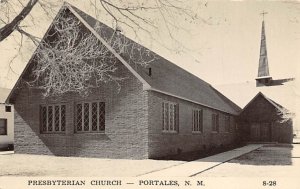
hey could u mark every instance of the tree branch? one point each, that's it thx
(11, 27)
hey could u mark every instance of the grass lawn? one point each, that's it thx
(268, 161)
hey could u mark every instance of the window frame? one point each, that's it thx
(215, 120)
(7, 108)
(90, 117)
(5, 127)
(199, 121)
(167, 128)
(227, 120)
(53, 131)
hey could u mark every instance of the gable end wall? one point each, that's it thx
(260, 111)
(126, 123)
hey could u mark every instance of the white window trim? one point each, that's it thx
(53, 119)
(199, 123)
(227, 128)
(175, 122)
(90, 117)
(216, 123)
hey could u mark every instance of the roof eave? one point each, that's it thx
(189, 100)
(125, 63)
(28, 63)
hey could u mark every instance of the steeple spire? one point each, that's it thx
(263, 76)
(263, 69)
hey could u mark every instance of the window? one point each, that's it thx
(53, 118)
(215, 122)
(90, 117)
(227, 123)
(3, 126)
(7, 108)
(197, 121)
(169, 117)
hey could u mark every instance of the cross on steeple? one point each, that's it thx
(263, 14)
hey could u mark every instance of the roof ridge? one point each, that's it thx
(173, 80)
(156, 54)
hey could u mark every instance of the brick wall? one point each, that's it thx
(162, 144)
(125, 121)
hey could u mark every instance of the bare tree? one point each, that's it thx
(72, 59)
(17, 10)
(13, 25)
(130, 13)
(285, 115)
(75, 60)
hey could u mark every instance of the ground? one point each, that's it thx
(38, 165)
(276, 160)
(270, 161)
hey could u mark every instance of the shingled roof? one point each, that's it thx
(166, 77)
(278, 107)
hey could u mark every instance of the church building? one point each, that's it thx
(160, 110)
(263, 119)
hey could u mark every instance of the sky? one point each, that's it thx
(223, 49)
(226, 50)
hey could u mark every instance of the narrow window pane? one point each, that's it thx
(213, 122)
(63, 117)
(163, 116)
(50, 118)
(176, 118)
(94, 116)
(56, 118)
(217, 122)
(79, 117)
(44, 118)
(86, 117)
(193, 120)
(101, 116)
(197, 121)
(166, 116)
(171, 117)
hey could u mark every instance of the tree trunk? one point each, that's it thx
(10, 27)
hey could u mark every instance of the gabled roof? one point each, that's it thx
(166, 78)
(243, 92)
(276, 105)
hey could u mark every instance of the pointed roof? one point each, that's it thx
(242, 92)
(166, 78)
(273, 103)
(263, 68)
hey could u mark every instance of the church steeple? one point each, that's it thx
(263, 76)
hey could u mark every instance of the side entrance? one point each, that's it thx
(260, 132)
